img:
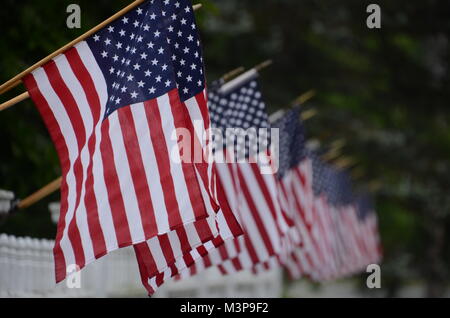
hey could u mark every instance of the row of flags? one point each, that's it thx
(190, 177)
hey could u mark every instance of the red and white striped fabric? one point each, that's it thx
(109, 196)
(162, 259)
(116, 132)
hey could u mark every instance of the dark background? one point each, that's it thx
(385, 92)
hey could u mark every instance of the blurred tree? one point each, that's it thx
(385, 91)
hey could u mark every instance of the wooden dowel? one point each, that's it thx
(263, 65)
(40, 194)
(230, 75)
(308, 114)
(13, 82)
(14, 101)
(345, 163)
(304, 98)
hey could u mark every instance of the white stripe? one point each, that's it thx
(261, 204)
(100, 190)
(67, 132)
(125, 179)
(79, 96)
(181, 190)
(150, 167)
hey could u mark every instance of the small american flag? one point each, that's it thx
(112, 104)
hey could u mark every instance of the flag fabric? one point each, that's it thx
(113, 105)
(165, 256)
(252, 195)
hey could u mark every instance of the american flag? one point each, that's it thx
(291, 154)
(113, 104)
(252, 195)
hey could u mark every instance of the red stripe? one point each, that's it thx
(83, 76)
(113, 188)
(190, 176)
(229, 216)
(143, 269)
(137, 170)
(166, 248)
(254, 211)
(145, 257)
(163, 162)
(76, 121)
(63, 154)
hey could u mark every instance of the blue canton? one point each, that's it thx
(148, 52)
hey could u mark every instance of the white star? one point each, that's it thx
(199, 83)
(107, 41)
(143, 56)
(193, 66)
(177, 5)
(186, 50)
(117, 100)
(182, 62)
(151, 90)
(140, 84)
(187, 9)
(139, 11)
(133, 50)
(148, 73)
(183, 21)
(161, 50)
(150, 45)
(139, 39)
(154, 62)
(123, 89)
(179, 74)
(153, 16)
(177, 45)
(125, 20)
(190, 38)
(168, 83)
(185, 90)
(111, 70)
(132, 36)
(164, 67)
(111, 29)
(146, 27)
(189, 78)
(96, 38)
(130, 78)
(136, 24)
(174, 57)
(122, 33)
(163, 13)
(157, 33)
(134, 94)
(166, 2)
(180, 34)
(174, 16)
(170, 28)
(104, 54)
(193, 26)
(115, 58)
(136, 66)
(158, 79)
(119, 45)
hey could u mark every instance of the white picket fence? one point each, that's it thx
(27, 270)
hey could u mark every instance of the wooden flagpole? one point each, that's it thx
(40, 194)
(13, 82)
(233, 73)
